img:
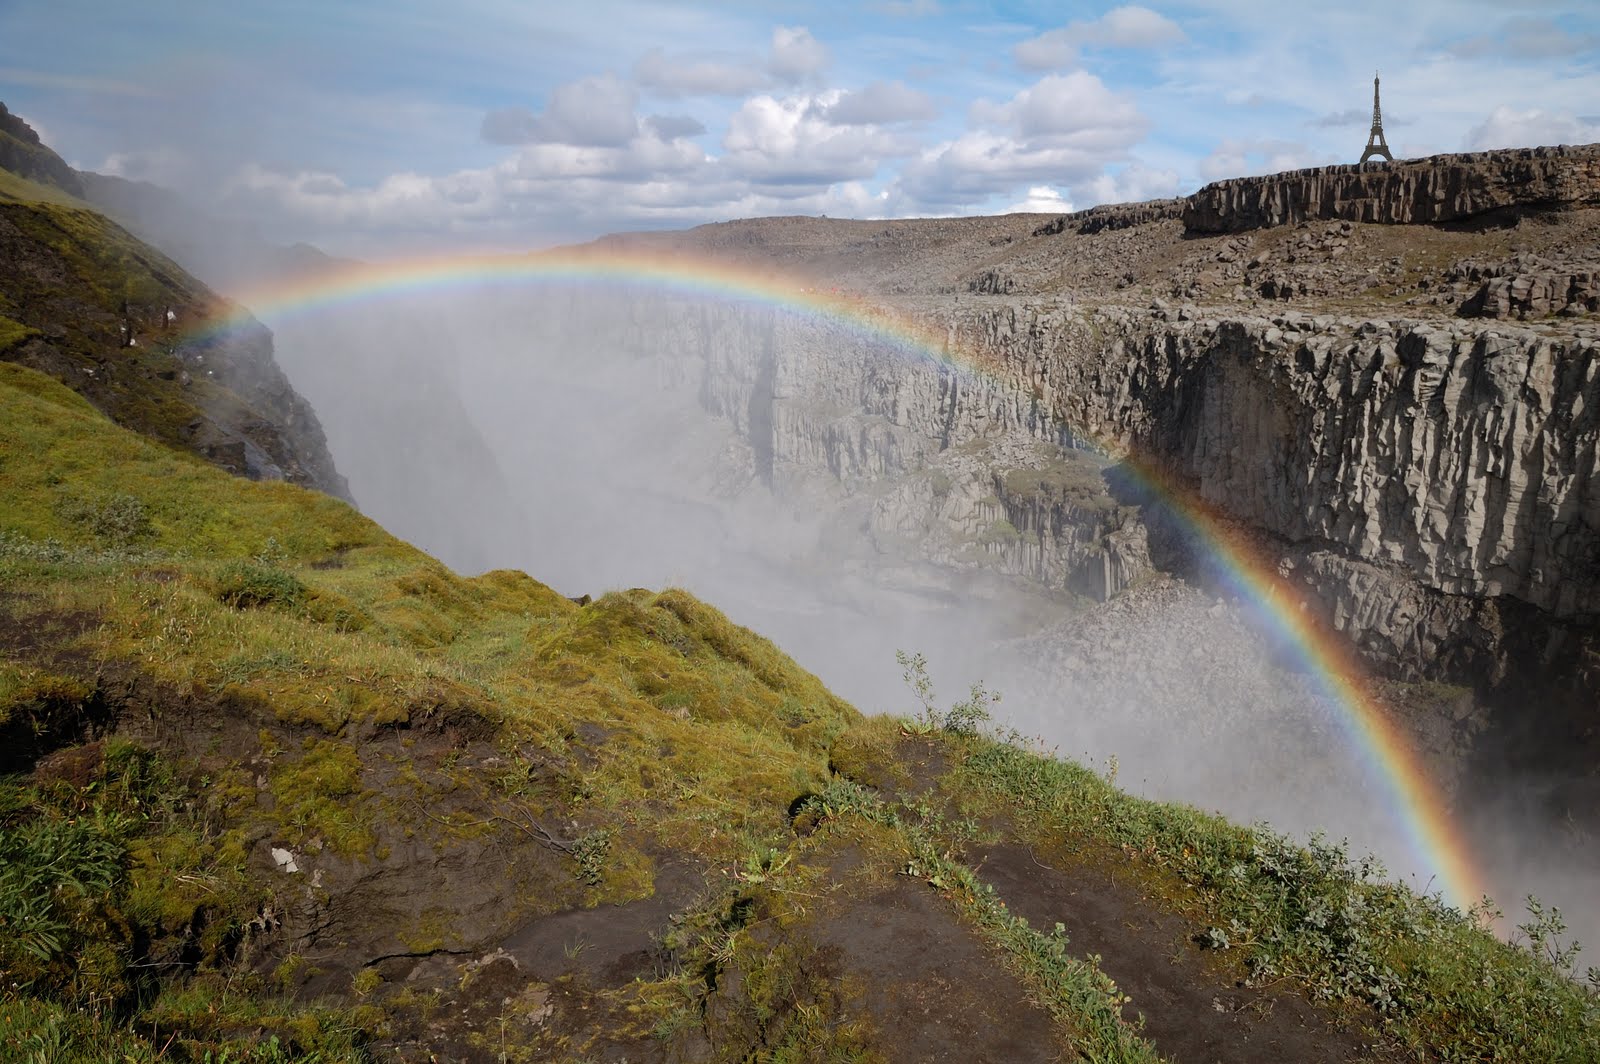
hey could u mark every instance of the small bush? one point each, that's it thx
(963, 718)
(118, 522)
(248, 585)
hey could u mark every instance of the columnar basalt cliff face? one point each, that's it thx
(1434, 486)
(1426, 482)
(1465, 454)
(1442, 188)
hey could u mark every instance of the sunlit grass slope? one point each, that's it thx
(381, 703)
(122, 558)
(204, 579)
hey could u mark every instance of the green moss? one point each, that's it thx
(248, 584)
(318, 796)
(13, 333)
(649, 718)
(866, 752)
(999, 532)
(1071, 478)
(1442, 983)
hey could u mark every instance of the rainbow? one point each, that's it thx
(1413, 797)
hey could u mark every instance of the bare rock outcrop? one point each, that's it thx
(1528, 286)
(1465, 455)
(1110, 216)
(1441, 188)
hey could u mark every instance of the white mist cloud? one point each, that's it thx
(162, 165)
(1041, 199)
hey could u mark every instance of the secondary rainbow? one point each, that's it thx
(1413, 798)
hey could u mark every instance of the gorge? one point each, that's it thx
(972, 456)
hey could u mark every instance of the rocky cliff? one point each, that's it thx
(1432, 484)
(23, 154)
(1442, 188)
(117, 321)
(1413, 473)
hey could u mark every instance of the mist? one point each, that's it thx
(584, 437)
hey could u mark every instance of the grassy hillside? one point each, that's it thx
(282, 787)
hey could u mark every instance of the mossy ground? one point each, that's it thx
(274, 670)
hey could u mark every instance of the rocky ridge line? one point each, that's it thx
(1440, 188)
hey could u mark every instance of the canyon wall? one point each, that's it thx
(1428, 482)
(1434, 486)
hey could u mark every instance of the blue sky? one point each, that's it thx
(398, 126)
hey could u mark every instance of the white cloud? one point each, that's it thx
(796, 55)
(1131, 26)
(1133, 184)
(1509, 128)
(671, 127)
(1061, 131)
(780, 156)
(881, 103)
(1041, 199)
(1353, 116)
(596, 111)
(1076, 105)
(791, 140)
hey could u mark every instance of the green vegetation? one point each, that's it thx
(1074, 989)
(85, 287)
(1437, 981)
(1072, 478)
(17, 189)
(13, 333)
(301, 680)
(115, 872)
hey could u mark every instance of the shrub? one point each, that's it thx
(118, 522)
(963, 718)
(249, 584)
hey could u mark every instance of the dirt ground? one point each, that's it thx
(1195, 1011)
(934, 989)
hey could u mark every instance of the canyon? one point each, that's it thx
(1349, 389)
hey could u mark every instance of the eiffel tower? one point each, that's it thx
(1377, 147)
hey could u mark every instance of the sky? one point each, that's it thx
(392, 127)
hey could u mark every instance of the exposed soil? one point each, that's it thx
(1195, 1010)
(611, 944)
(934, 989)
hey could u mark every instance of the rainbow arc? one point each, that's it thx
(1415, 800)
